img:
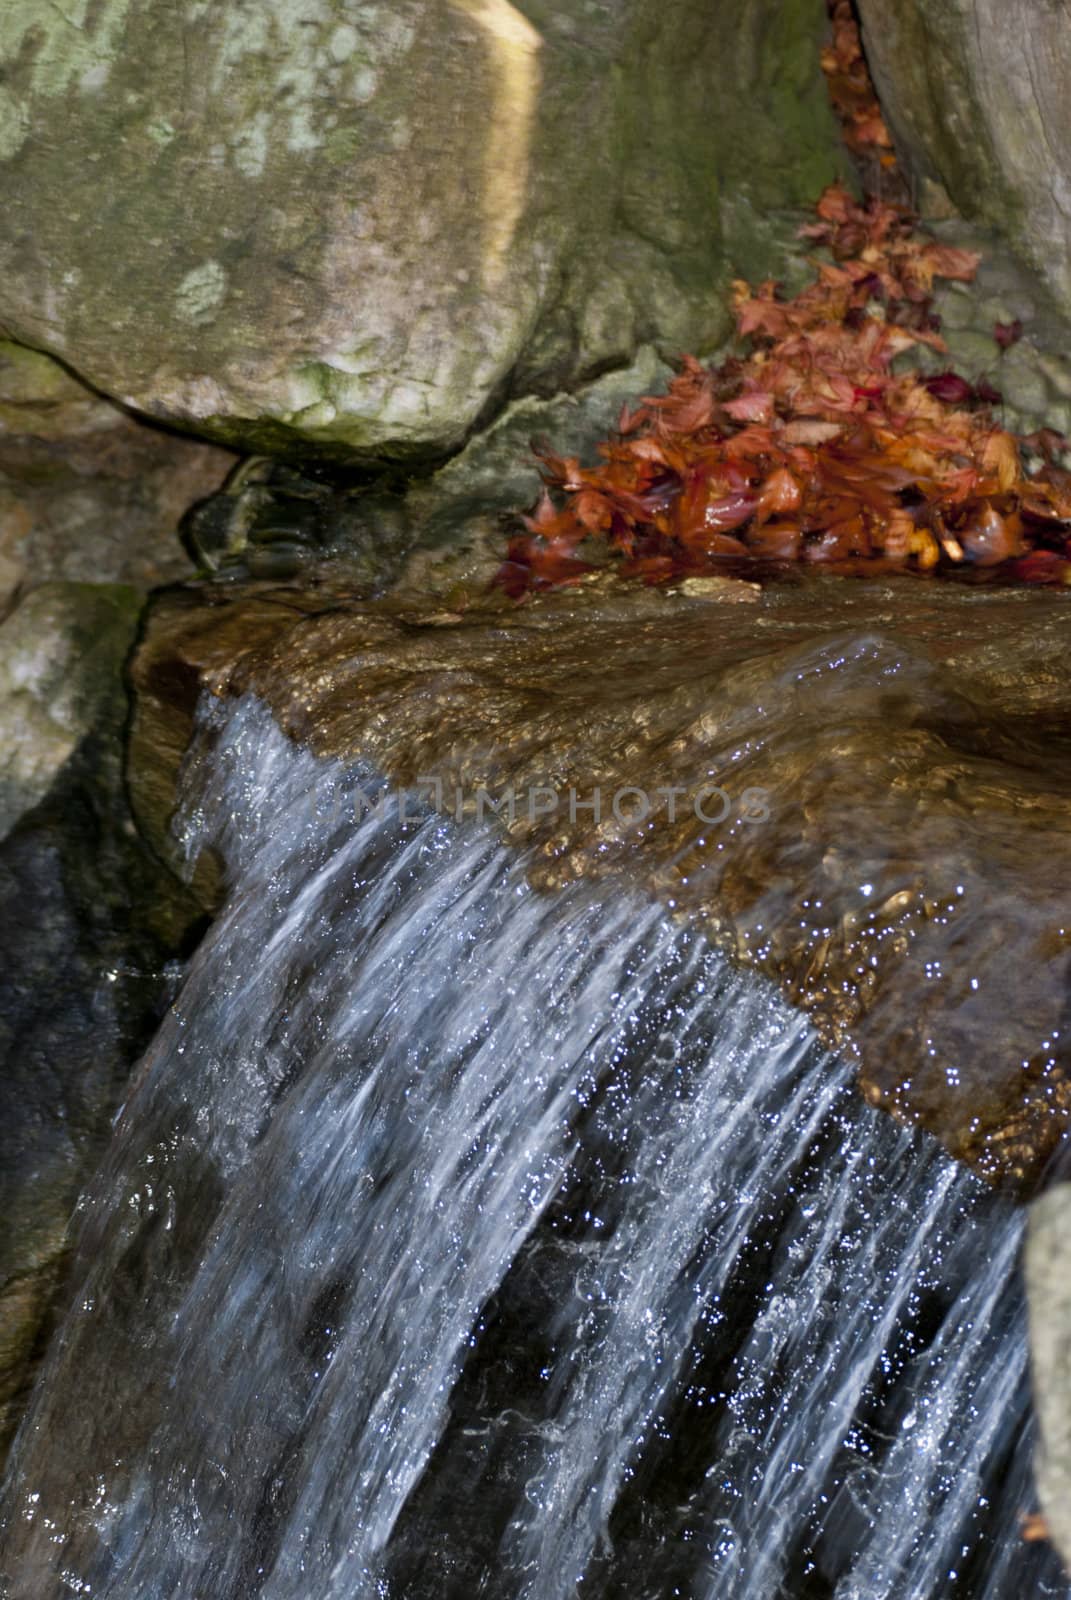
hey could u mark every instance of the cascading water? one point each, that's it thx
(457, 1240)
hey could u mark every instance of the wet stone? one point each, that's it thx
(858, 789)
(1048, 1276)
(89, 922)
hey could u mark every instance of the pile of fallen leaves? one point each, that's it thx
(811, 448)
(852, 93)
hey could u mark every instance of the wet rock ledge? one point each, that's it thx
(882, 773)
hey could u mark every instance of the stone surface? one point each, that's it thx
(61, 654)
(86, 492)
(88, 922)
(976, 95)
(273, 520)
(358, 227)
(88, 918)
(1048, 1283)
(900, 867)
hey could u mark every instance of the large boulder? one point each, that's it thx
(363, 226)
(976, 94)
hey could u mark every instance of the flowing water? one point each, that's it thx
(457, 1240)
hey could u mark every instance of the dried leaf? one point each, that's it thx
(1000, 455)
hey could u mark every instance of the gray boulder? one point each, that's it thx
(976, 95)
(361, 227)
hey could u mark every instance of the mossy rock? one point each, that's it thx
(361, 229)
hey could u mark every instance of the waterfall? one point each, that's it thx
(457, 1240)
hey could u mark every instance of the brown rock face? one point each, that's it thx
(861, 790)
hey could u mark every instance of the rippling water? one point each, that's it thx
(457, 1240)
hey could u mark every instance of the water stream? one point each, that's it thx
(457, 1240)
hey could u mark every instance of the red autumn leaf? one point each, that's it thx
(943, 261)
(515, 578)
(780, 493)
(839, 542)
(592, 510)
(1042, 566)
(776, 541)
(756, 406)
(1007, 333)
(730, 512)
(835, 205)
(720, 544)
(949, 388)
(562, 470)
(698, 521)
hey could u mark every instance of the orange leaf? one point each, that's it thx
(1000, 455)
(780, 493)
